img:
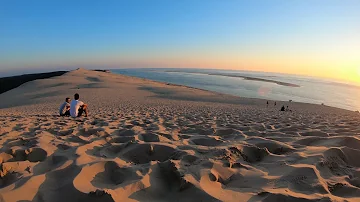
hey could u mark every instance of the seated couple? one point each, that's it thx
(75, 109)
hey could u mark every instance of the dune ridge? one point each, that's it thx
(8, 83)
(148, 141)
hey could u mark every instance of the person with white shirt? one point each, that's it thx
(77, 107)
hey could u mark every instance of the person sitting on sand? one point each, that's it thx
(287, 109)
(77, 107)
(282, 108)
(65, 108)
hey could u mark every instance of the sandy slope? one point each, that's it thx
(148, 141)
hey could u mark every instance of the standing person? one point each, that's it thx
(77, 107)
(267, 103)
(275, 104)
(65, 108)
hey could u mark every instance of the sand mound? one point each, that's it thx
(189, 158)
(4, 157)
(166, 183)
(63, 147)
(124, 132)
(87, 132)
(315, 133)
(149, 137)
(168, 177)
(98, 195)
(32, 154)
(7, 176)
(227, 132)
(269, 197)
(251, 154)
(105, 175)
(115, 175)
(344, 190)
(303, 180)
(51, 163)
(206, 141)
(340, 162)
(36, 154)
(351, 142)
(272, 146)
(309, 141)
(64, 133)
(121, 139)
(144, 153)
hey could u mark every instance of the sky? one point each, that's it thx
(306, 37)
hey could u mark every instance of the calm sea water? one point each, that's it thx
(311, 90)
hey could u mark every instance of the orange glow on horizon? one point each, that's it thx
(333, 69)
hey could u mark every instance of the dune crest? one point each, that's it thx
(149, 141)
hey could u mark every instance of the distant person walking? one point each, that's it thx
(77, 107)
(65, 108)
(267, 103)
(275, 104)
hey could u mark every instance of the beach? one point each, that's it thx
(150, 141)
(261, 85)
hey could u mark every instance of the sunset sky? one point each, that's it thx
(315, 38)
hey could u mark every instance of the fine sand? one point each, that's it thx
(150, 141)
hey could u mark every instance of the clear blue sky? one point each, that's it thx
(45, 34)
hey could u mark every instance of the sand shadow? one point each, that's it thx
(167, 183)
(58, 186)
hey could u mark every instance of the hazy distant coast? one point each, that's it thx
(258, 79)
(244, 77)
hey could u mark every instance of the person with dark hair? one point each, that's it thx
(65, 108)
(282, 108)
(77, 107)
(287, 109)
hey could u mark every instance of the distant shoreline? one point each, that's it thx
(192, 82)
(9, 83)
(244, 77)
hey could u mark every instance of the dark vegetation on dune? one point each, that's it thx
(102, 70)
(8, 83)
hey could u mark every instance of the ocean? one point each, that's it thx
(269, 86)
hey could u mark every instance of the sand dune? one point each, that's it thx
(149, 141)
